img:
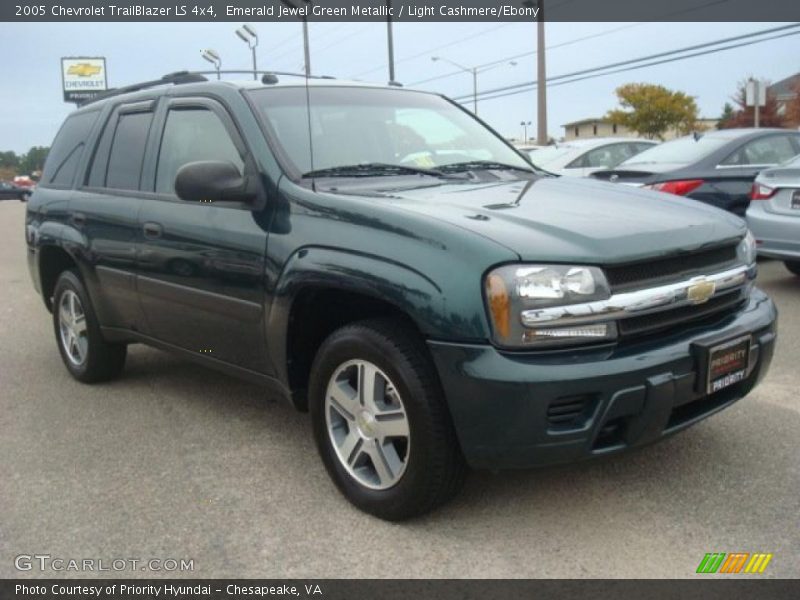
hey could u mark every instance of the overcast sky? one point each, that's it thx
(33, 108)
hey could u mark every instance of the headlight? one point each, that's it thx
(747, 251)
(512, 289)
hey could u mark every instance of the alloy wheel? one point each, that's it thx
(367, 424)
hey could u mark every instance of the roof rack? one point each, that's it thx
(176, 78)
(264, 74)
(181, 77)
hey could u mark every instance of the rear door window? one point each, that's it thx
(119, 155)
(127, 151)
(67, 150)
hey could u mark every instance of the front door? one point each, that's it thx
(201, 265)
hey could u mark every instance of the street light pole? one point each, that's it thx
(247, 34)
(212, 57)
(474, 71)
(475, 90)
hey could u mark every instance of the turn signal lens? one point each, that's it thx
(499, 305)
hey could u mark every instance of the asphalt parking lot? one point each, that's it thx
(175, 461)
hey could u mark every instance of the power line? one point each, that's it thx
(530, 53)
(569, 42)
(644, 58)
(532, 84)
(429, 50)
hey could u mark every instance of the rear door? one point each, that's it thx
(201, 267)
(104, 209)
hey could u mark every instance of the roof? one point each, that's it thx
(785, 87)
(195, 83)
(599, 141)
(584, 121)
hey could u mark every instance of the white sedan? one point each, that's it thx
(581, 158)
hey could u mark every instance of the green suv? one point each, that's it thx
(382, 259)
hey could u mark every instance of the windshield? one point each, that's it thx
(381, 127)
(550, 154)
(683, 151)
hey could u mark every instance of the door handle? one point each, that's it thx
(152, 230)
(79, 218)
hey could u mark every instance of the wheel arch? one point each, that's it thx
(323, 289)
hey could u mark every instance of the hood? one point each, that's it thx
(572, 220)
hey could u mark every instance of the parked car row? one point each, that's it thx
(731, 169)
(12, 191)
(774, 213)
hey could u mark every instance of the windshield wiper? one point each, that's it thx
(373, 170)
(482, 165)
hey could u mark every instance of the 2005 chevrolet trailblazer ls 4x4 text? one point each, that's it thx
(383, 259)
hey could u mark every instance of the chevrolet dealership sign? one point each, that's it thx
(83, 78)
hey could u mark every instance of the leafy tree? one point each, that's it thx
(744, 116)
(652, 110)
(727, 115)
(9, 159)
(33, 160)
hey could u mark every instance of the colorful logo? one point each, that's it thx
(83, 70)
(734, 562)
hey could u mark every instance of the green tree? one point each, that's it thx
(9, 159)
(652, 110)
(727, 115)
(33, 159)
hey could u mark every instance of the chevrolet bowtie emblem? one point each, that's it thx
(701, 291)
(83, 70)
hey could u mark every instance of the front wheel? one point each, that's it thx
(793, 266)
(87, 356)
(380, 421)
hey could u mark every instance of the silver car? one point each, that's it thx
(774, 213)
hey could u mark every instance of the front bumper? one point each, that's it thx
(778, 236)
(536, 409)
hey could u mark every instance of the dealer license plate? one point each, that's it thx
(727, 363)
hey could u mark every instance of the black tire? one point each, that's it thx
(24, 197)
(102, 360)
(435, 468)
(793, 266)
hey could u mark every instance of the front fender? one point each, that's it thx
(405, 287)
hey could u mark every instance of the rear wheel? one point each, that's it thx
(87, 356)
(793, 266)
(380, 421)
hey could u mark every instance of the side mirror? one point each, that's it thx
(213, 180)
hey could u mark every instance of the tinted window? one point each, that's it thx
(191, 135)
(353, 125)
(769, 150)
(127, 151)
(97, 173)
(65, 154)
(684, 150)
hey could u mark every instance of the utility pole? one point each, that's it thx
(306, 51)
(541, 79)
(390, 40)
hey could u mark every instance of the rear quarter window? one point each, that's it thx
(67, 149)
